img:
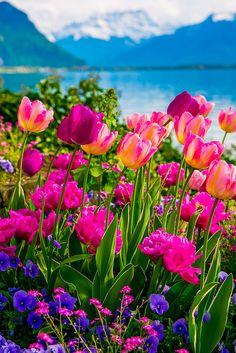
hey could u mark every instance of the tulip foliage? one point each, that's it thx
(97, 224)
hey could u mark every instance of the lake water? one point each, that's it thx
(147, 91)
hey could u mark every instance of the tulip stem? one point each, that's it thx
(85, 183)
(149, 174)
(55, 229)
(181, 201)
(177, 182)
(223, 141)
(206, 236)
(21, 157)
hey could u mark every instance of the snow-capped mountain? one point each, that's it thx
(134, 24)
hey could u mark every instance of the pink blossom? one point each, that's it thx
(80, 313)
(63, 160)
(197, 179)
(45, 337)
(58, 176)
(177, 252)
(91, 228)
(204, 200)
(7, 230)
(169, 173)
(106, 312)
(9, 250)
(32, 161)
(64, 312)
(34, 293)
(126, 289)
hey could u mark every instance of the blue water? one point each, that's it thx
(147, 91)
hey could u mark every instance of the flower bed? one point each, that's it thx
(111, 251)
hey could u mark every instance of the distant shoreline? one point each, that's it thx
(55, 71)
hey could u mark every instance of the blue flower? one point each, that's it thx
(3, 301)
(102, 333)
(55, 348)
(13, 290)
(159, 328)
(66, 301)
(7, 166)
(181, 327)
(14, 262)
(35, 321)
(158, 303)
(151, 344)
(4, 261)
(206, 317)
(22, 301)
(30, 269)
(82, 323)
(222, 348)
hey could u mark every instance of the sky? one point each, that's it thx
(51, 15)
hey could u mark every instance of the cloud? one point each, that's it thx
(51, 15)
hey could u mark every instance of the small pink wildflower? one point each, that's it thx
(106, 311)
(34, 293)
(116, 339)
(80, 313)
(133, 343)
(126, 289)
(128, 299)
(144, 319)
(64, 312)
(36, 346)
(42, 311)
(96, 302)
(45, 337)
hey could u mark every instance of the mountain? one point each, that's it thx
(21, 44)
(211, 42)
(132, 39)
(101, 38)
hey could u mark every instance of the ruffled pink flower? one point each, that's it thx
(91, 226)
(63, 160)
(7, 230)
(169, 173)
(27, 222)
(204, 200)
(123, 193)
(177, 252)
(9, 250)
(58, 176)
(52, 192)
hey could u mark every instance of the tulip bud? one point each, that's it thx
(32, 161)
(227, 120)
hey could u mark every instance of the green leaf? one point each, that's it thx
(82, 284)
(96, 171)
(139, 230)
(194, 340)
(17, 200)
(112, 298)
(124, 228)
(212, 275)
(170, 224)
(211, 244)
(106, 251)
(212, 330)
(166, 213)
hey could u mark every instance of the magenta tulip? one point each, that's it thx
(32, 161)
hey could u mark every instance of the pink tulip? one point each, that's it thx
(63, 160)
(164, 120)
(204, 107)
(183, 102)
(221, 180)
(169, 173)
(152, 132)
(32, 161)
(136, 119)
(123, 193)
(103, 142)
(91, 226)
(80, 127)
(199, 154)
(227, 120)
(133, 151)
(7, 230)
(187, 123)
(196, 181)
(33, 116)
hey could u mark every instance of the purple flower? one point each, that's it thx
(66, 301)
(14, 262)
(151, 344)
(3, 301)
(206, 317)
(55, 242)
(234, 298)
(4, 261)
(55, 348)
(7, 166)
(158, 303)
(30, 269)
(13, 290)
(181, 327)
(102, 332)
(82, 323)
(35, 321)
(159, 328)
(222, 348)
(222, 276)
(22, 301)
(32, 161)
